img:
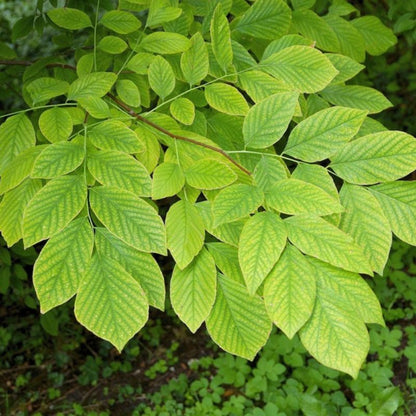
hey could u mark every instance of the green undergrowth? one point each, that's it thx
(164, 372)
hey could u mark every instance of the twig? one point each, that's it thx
(175, 136)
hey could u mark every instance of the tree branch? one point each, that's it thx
(138, 116)
(176, 136)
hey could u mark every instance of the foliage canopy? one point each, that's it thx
(225, 133)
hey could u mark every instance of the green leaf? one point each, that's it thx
(43, 89)
(319, 176)
(129, 218)
(289, 291)
(386, 402)
(378, 38)
(110, 302)
(168, 180)
(322, 134)
(285, 42)
(312, 26)
(294, 196)
(16, 134)
(229, 233)
(19, 169)
(160, 12)
(120, 21)
(114, 168)
(210, 174)
(265, 19)
(301, 67)
(71, 19)
(316, 237)
(226, 99)
(365, 221)
(112, 45)
(379, 157)
(235, 202)
(267, 121)
(115, 135)
(347, 68)
(183, 110)
(238, 322)
(95, 106)
(62, 263)
(58, 159)
(350, 288)
(140, 62)
(141, 266)
(259, 85)
(262, 241)
(128, 92)
(268, 171)
(221, 38)
(351, 43)
(194, 61)
(356, 96)
(165, 43)
(53, 208)
(12, 207)
(149, 158)
(398, 200)
(226, 259)
(185, 232)
(192, 290)
(55, 124)
(335, 335)
(161, 77)
(96, 84)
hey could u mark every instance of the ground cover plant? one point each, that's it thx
(238, 146)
